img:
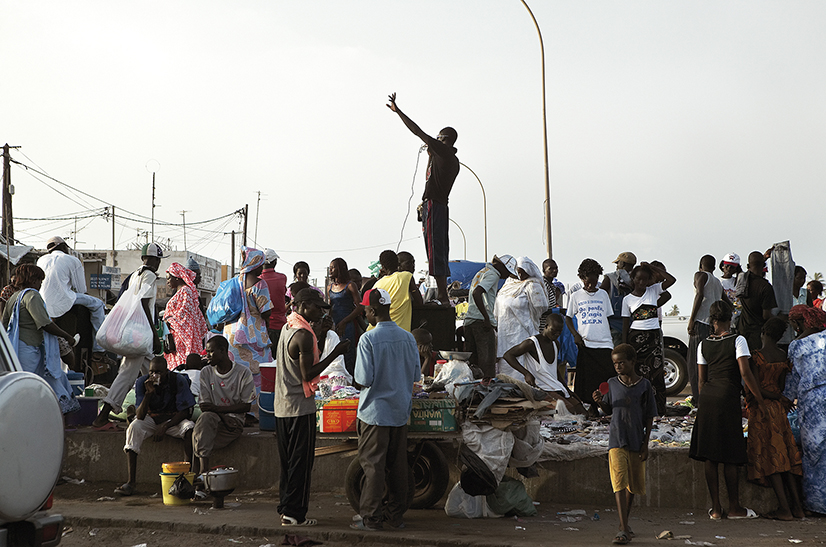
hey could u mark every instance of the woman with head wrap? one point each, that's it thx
(807, 384)
(183, 315)
(519, 306)
(249, 342)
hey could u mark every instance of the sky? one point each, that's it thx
(675, 129)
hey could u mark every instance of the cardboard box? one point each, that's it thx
(433, 415)
(266, 411)
(338, 416)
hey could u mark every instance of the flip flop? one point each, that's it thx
(711, 515)
(359, 525)
(125, 489)
(750, 514)
(110, 426)
(621, 538)
(290, 521)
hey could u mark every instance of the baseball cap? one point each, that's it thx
(53, 242)
(628, 257)
(509, 262)
(192, 264)
(310, 295)
(153, 250)
(270, 255)
(731, 258)
(384, 297)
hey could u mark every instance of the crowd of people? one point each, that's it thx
(517, 321)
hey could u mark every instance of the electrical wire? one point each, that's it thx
(422, 148)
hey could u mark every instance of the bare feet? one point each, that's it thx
(779, 515)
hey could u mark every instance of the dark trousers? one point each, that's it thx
(274, 336)
(383, 457)
(296, 450)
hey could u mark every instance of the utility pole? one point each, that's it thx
(246, 216)
(232, 255)
(183, 215)
(114, 252)
(153, 206)
(8, 224)
(257, 208)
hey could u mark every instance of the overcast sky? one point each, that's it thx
(675, 129)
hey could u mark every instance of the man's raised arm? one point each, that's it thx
(411, 125)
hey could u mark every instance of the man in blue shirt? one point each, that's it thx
(387, 365)
(164, 405)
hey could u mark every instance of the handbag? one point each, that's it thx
(227, 304)
(168, 339)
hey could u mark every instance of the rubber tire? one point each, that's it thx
(676, 362)
(428, 478)
(431, 476)
(354, 478)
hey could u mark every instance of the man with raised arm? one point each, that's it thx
(442, 168)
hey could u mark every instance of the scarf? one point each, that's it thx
(252, 259)
(296, 321)
(181, 272)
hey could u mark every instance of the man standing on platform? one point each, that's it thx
(442, 168)
(387, 365)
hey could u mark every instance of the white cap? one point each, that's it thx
(270, 256)
(509, 262)
(732, 258)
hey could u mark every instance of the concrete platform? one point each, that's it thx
(673, 480)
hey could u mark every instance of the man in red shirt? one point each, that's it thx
(277, 285)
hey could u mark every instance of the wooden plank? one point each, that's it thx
(346, 446)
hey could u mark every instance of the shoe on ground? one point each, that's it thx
(125, 489)
(290, 521)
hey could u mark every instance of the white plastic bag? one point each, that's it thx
(493, 446)
(454, 372)
(126, 331)
(464, 506)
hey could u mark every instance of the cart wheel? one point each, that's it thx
(354, 479)
(431, 475)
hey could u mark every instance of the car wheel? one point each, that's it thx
(675, 371)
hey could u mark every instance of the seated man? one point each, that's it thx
(65, 286)
(227, 391)
(542, 367)
(164, 405)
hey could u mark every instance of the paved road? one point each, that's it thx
(250, 519)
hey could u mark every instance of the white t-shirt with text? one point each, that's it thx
(592, 311)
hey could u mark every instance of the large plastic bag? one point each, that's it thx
(454, 372)
(493, 446)
(462, 505)
(227, 304)
(527, 445)
(126, 330)
(511, 498)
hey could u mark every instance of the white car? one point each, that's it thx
(31, 455)
(675, 340)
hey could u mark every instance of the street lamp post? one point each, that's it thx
(464, 239)
(544, 136)
(484, 210)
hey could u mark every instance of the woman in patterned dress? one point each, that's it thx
(807, 384)
(773, 454)
(183, 315)
(249, 342)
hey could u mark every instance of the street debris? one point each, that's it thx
(571, 529)
(795, 541)
(70, 480)
(140, 545)
(66, 531)
(570, 519)
(595, 517)
(687, 522)
(665, 534)
(574, 512)
(105, 498)
(518, 527)
(94, 531)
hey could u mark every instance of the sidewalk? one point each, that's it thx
(253, 514)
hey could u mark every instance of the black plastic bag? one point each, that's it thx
(477, 479)
(182, 488)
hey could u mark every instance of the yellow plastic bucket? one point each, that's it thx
(167, 480)
(175, 467)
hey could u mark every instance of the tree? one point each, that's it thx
(675, 310)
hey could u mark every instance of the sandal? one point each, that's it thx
(712, 517)
(621, 538)
(290, 521)
(125, 489)
(360, 526)
(750, 514)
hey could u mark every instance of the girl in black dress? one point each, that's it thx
(723, 359)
